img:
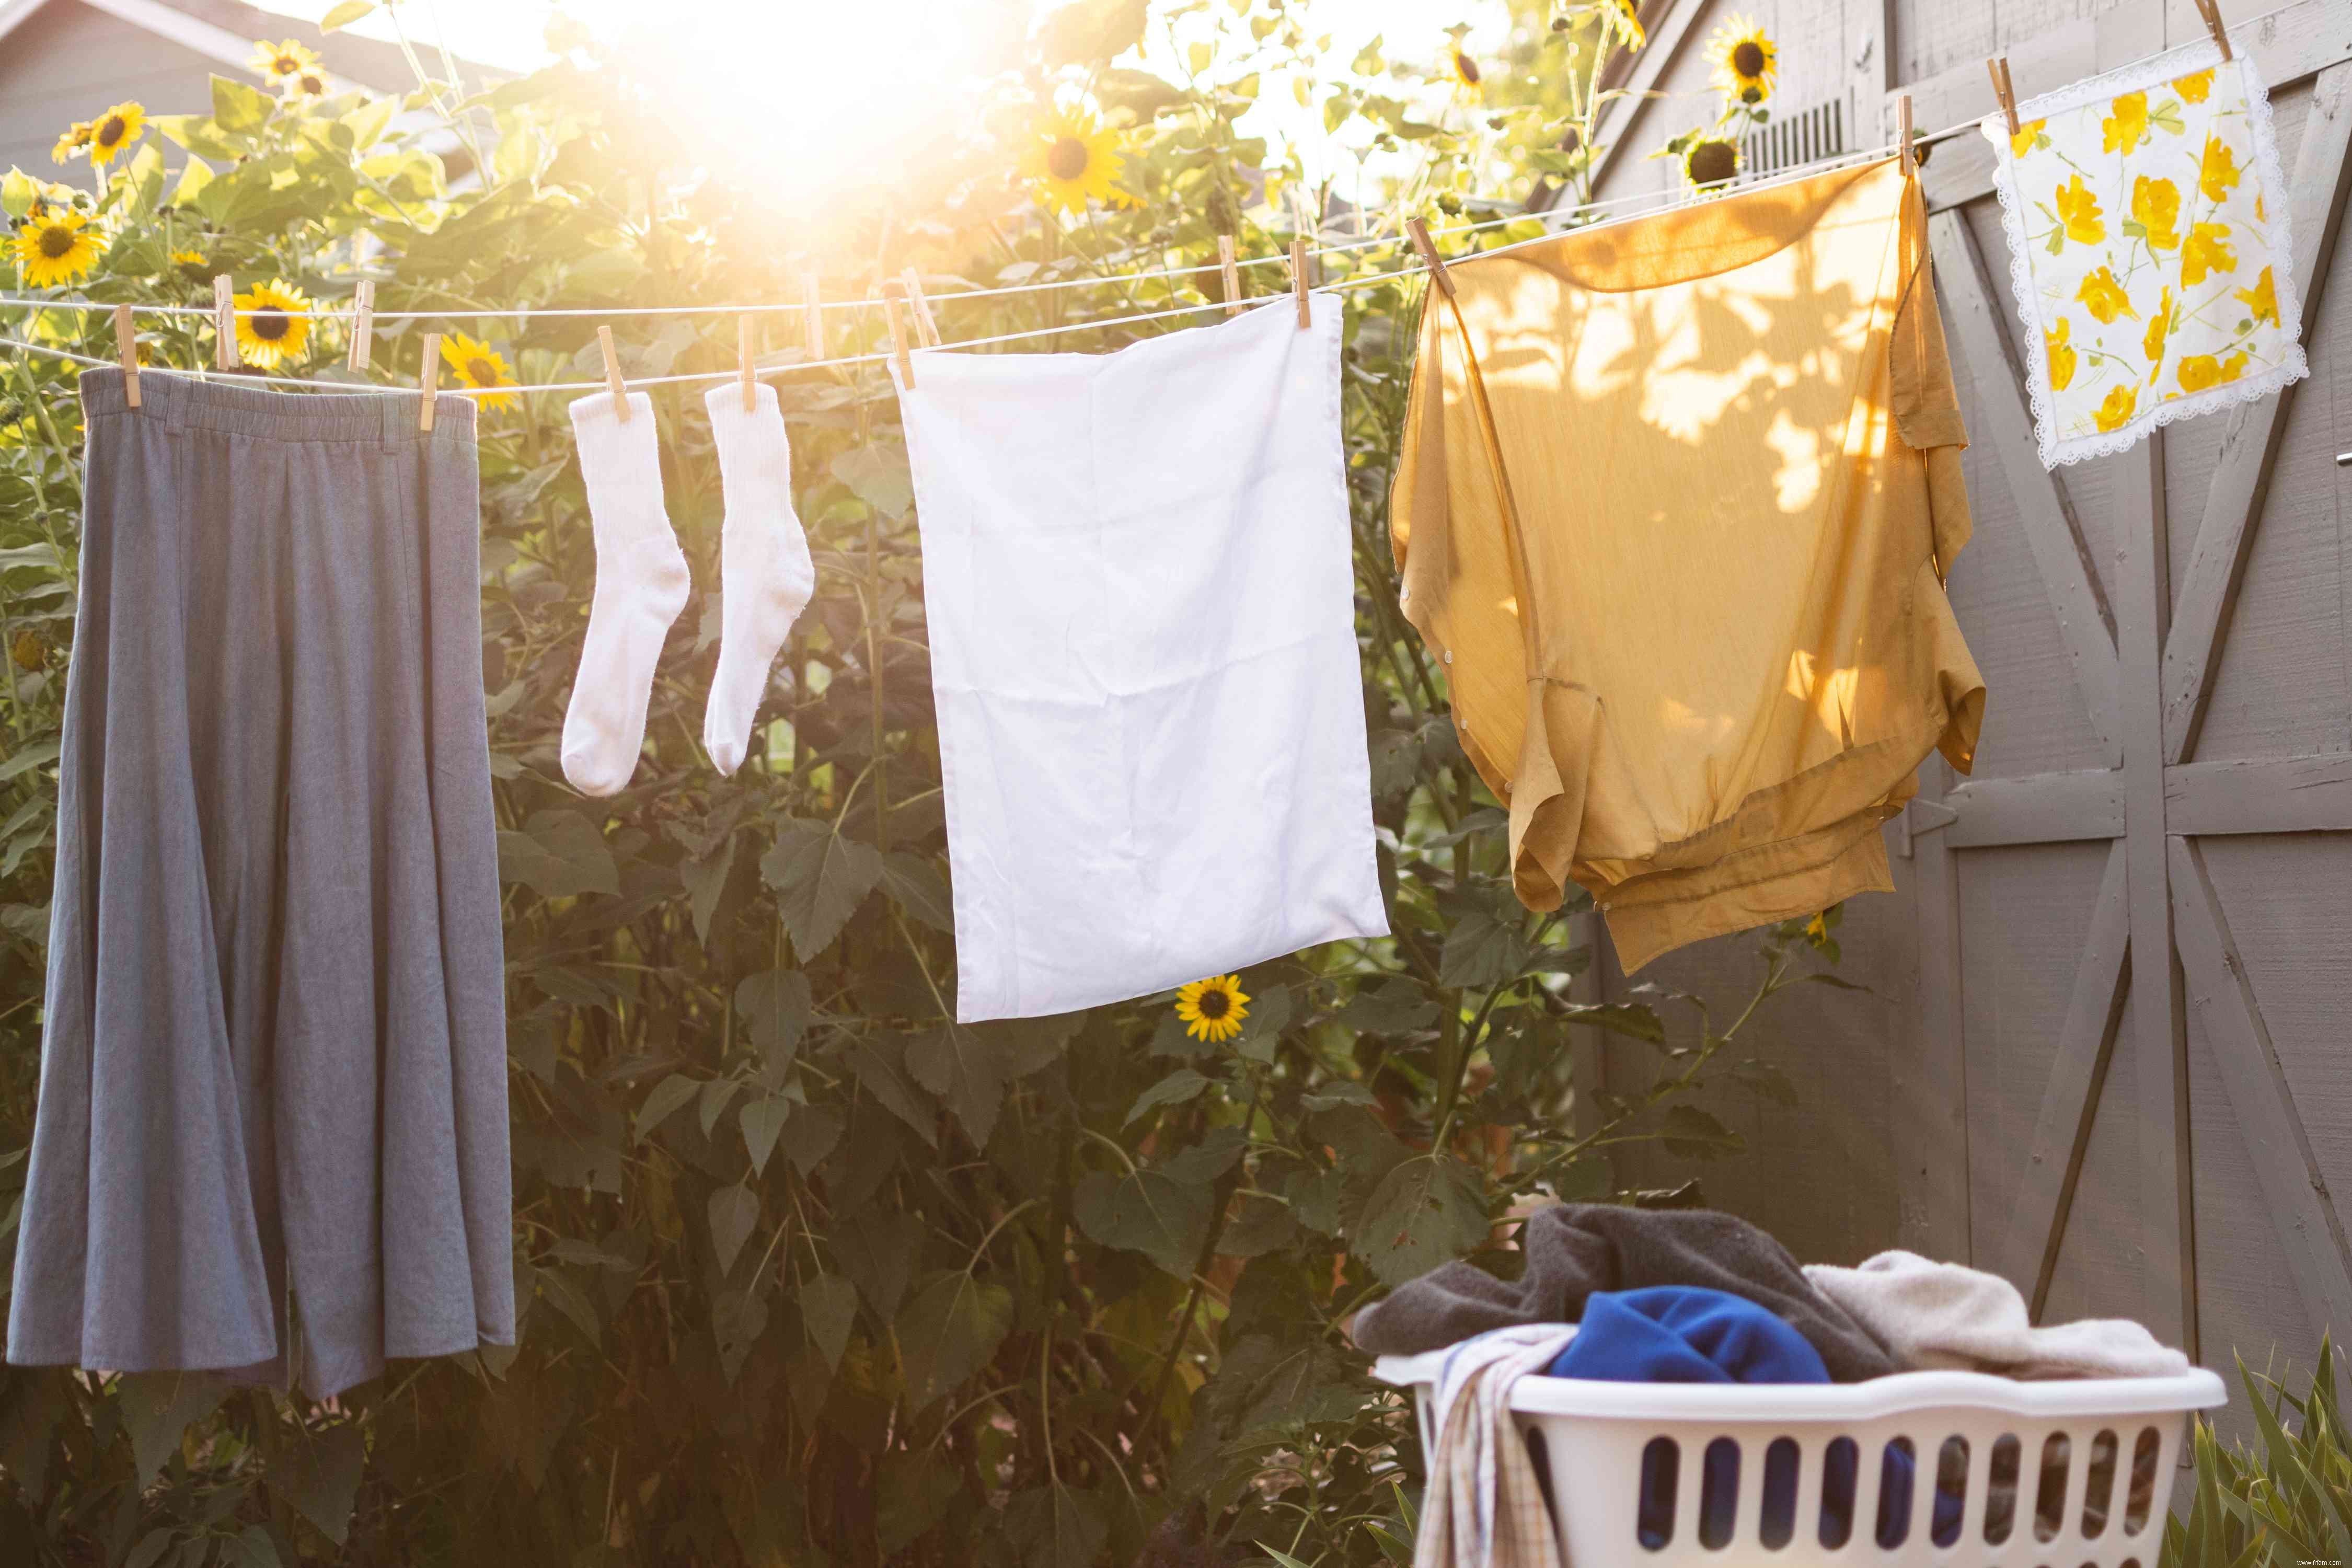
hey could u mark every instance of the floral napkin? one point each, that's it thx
(2148, 237)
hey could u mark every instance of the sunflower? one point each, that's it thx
(1745, 61)
(282, 63)
(1709, 162)
(1072, 158)
(73, 139)
(477, 364)
(279, 326)
(1624, 16)
(56, 247)
(116, 129)
(1466, 70)
(1213, 1009)
(308, 84)
(195, 262)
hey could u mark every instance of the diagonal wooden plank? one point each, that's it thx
(1619, 117)
(2217, 563)
(2261, 794)
(2007, 426)
(2301, 1207)
(2062, 1128)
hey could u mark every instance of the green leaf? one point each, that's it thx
(1149, 1211)
(251, 1547)
(919, 1483)
(1631, 1019)
(151, 1547)
(559, 853)
(1429, 1209)
(1178, 1088)
(738, 1318)
(158, 1406)
(1056, 1526)
(810, 1135)
(1396, 1006)
(967, 1064)
(40, 754)
(734, 1212)
(706, 879)
(1690, 1133)
(1480, 952)
(820, 877)
(716, 1095)
(240, 108)
(344, 14)
(878, 475)
(879, 1065)
(918, 888)
(949, 1331)
(828, 1308)
(763, 1119)
(1261, 1225)
(321, 1474)
(662, 1103)
(775, 1005)
(876, 1248)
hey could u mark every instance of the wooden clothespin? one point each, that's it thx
(428, 377)
(812, 316)
(126, 346)
(362, 326)
(1298, 284)
(1233, 274)
(613, 382)
(225, 349)
(925, 327)
(1997, 68)
(743, 354)
(899, 337)
(1429, 256)
(2212, 11)
(1902, 131)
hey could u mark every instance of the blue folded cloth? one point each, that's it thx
(1681, 1333)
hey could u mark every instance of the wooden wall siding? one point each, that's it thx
(2122, 952)
(2156, 877)
(69, 62)
(1828, 49)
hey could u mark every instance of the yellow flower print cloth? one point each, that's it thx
(2149, 249)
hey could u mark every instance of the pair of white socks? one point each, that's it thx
(642, 584)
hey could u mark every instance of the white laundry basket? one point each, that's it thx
(2039, 1475)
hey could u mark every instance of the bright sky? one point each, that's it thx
(828, 89)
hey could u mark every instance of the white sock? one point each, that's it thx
(764, 571)
(641, 585)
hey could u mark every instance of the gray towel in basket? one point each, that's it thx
(1574, 1249)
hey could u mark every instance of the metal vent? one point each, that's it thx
(1794, 139)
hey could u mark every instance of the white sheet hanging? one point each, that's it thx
(1136, 568)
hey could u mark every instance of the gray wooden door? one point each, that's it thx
(2131, 1085)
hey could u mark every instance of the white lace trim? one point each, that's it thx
(2293, 367)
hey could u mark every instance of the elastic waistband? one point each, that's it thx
(387, 418)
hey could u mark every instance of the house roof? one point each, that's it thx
(224, 31)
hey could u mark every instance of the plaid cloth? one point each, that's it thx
(1485, 1506)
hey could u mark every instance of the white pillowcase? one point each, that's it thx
(1136, 569)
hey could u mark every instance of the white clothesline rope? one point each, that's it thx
(883, 355)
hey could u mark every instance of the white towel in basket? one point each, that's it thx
(1946, 1316)
(1485, 1507)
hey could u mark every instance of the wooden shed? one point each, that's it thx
(2107, 1049)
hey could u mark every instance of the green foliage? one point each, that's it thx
(2283, 1503)
(810, 1273)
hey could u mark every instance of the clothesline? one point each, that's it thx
(1280, 258)
(877, 356)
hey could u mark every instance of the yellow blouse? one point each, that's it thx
(1675, 507)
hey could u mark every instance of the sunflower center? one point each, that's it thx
(1713, 162)
(1467, 69)
(1215, 1005)
(1067, 160)
(481, 372)
(1748, 58)
(313, 86)
(56, 242)
(111, 130)
(271, 323)
(288, 64)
